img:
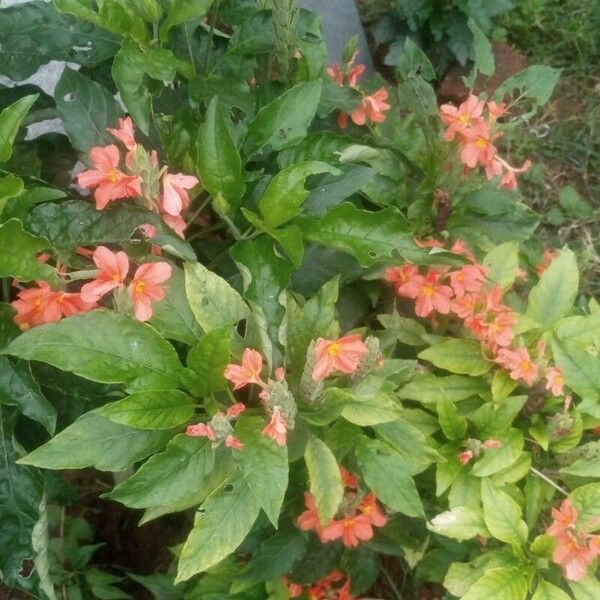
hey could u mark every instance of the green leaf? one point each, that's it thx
(208, 359)
(588, 589)
(325, 478)
(276, 556)
(21, 514)
(317, 318)
(496, 459)
(547, 591)
(386, 474)
(179, 11)
(34, 33)
(574, 205)
(212, 300)
(285, 121)
(266, 277)
(19, 250)
(19, 388)
(429, 389)
(172, 317)
(502, 515)
(586, 500)
(10, 121)
(460, 523)
(130, 67)
(553, 296)
(503, 263)
(73, 223)
(220, 526)
(10, 187)
(150, 409)
(413, 62)
(285, 193)
(499, 584)
(453, 425)
(103, 346)
(368, 236)
(218, 161)
(264, 466)
(367, 406)
(168, 477)
(93, 441)
(484, 57)
(86, 109)
(457, 356)
(579, 367)
(535, 83)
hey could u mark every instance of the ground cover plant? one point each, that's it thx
(293, 313)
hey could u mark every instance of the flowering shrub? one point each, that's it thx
(300, 307)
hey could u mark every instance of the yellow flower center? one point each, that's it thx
(112, 176)
(464, 119)
(140, 286)
(427, 290)
(334, 349)
(526, 365)
(481, 142)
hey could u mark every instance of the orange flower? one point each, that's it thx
(108, 181)
(124, 132)
(146, 287)
(519, 363)
(277, 428)
(458, 119)
(555, 381)
(309, 519)
(370, 509)
(201, 430)
(477, 147)
(175, 197)
(246, 373)
(429, 294)
(343, 354)
(468, 279)
(36, 306)
(352, 530)
(371, 108)
(113, 268)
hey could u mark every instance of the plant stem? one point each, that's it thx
(548, 480)
(391, 582)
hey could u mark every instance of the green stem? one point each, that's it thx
(548, 480)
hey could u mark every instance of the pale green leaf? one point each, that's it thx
(457, 356)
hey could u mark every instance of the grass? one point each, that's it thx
(564, 140)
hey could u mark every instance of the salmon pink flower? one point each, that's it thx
(465, 457)
(500, 331)
(72, 303)
(309, 519)
(370, 509)
(352, 530)
(232, 442)
(236, 410)
(201, 430)
(246, 373)
(468, 114)
(464, 307)
(36, 306)
(565, 518)
(468, 279)
(348, 479)
(277, 428)
(477, 147)
(574, 553)
(429, 243)
(108, 181)
(146, 287)
(509, 178)
(175, 197)
(429, 294)
(519, 364)
(555, 381)
(372, 108)
(124, 132)
(177, 224)
(461, 247)
(343, 354)
(335, 72)
(547, 258)
(497, 110)
(113, 268)
(492, 444)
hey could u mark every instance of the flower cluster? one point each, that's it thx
(219, 428)
(335, 586)
(372, 106)
(466, 293)
(278, 400)
(575, 549)
(42, 304)
(137, 176)
(476, 135)
(357, 514)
